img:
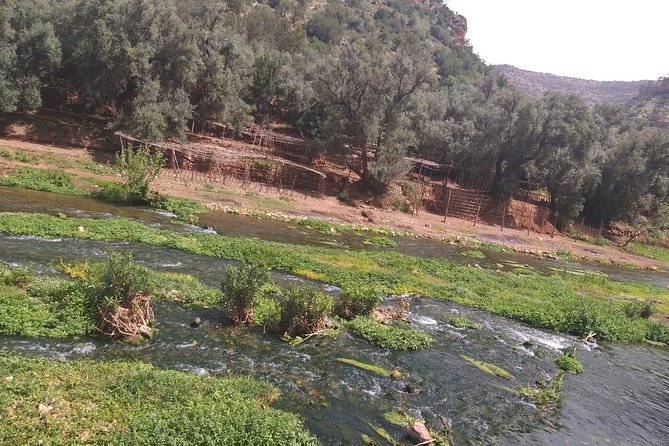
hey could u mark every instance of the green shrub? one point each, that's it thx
(138, 167)
(389, 336)
(241, 288)
(463, 322)
(658, 333)
(569, 364)
(119, 281)
(304, 310)
(474, 253)
(267, 312)
(639, 308)
(111, 191)
(356, 301)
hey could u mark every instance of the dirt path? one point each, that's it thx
(261, 198)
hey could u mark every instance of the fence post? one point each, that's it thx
(478, 211)
(505, 207)
(448, 204)
(529, 221)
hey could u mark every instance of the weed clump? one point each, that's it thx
(569, 364)
(122, 298)
(304, 310)
(381, 240)
(389, 336)
(463, 322)
(639, 308)
(356, 301)
(241, 288)
(487, 367)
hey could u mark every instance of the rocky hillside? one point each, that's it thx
(652, 103)
(592, 92)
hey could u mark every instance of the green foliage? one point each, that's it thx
(474, 253)
(487, 367)
(242, 287)
(119, 281)
(184, 208)
(569, 364)
(356, 301)
(639, 308)
(18, 277)
(566, 303)
(108, 402)
(653, 252)
(138, 167)
(389, 336)
(544, 393)
(267, 312)
(36, 306)
(463, 322)
(43, 180)
(304, 310)
(381, 241)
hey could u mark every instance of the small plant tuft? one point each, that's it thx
(389, 336)
(569, 364)
(356, 301)
(138, 167)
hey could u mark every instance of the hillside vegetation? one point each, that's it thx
(591, 91)
(371, 80)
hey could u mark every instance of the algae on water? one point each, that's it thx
(487, 367)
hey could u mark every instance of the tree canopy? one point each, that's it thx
(374, 81)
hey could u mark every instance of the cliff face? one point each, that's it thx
(459, 28)
(592, 92)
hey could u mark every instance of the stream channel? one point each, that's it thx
(622, 398)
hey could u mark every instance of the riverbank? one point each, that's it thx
(562, 302)
(86, 402)
(254, 199)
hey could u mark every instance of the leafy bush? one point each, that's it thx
(267, 312)
(138, 167)
(658, 333)
(111, 191)
(356, 301)
(304, 310)
(569, 364)
(242, 287)
(389, 336)
(639, 308)
(120, 280)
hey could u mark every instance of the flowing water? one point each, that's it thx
(622, 398)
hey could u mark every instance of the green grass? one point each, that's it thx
(42, 179)
(32, 305)
(119, 403)
(575, 305)
(56, 160)
(381, 241)
(43, 306)
(488, 368)
(650, 251)
(389, 336)
(60, 182)
(474, 253)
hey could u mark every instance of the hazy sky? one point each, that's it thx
(591, 39)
